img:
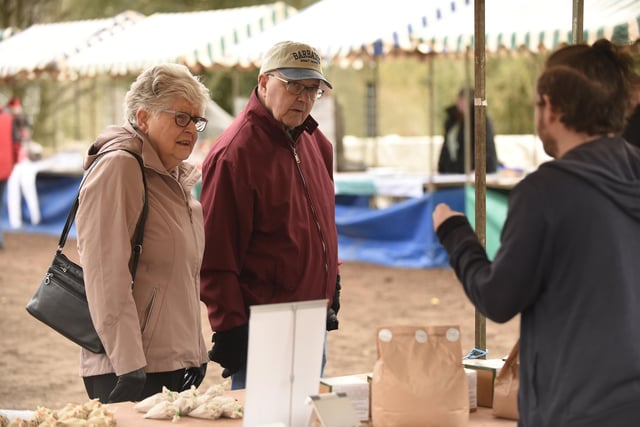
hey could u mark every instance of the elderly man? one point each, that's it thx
(269, 206)
(568, 260)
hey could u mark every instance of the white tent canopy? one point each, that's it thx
(343, 28)
(531, 25)
(45, 47)
(130, 42)
(339, 29)
(193, 38)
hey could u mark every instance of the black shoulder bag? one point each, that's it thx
(60, 301)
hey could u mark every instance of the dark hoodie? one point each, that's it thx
(569, 263)
(448, 163)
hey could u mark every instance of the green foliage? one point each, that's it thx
(225, 85)
(406, 86)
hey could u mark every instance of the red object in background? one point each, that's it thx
(14, 102)
(7, 159)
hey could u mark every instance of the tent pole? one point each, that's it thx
(578, 16)
(480, 114)
(77, 110)
(94, 112)
(432, 115)
(467, 119)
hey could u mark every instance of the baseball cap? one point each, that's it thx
(295, 61)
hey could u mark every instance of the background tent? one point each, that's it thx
(112, 46)
(171, 37)
(44, 48)
(533, 25)
(344, 29)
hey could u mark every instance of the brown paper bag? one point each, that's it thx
(505, 389)
(418, 378)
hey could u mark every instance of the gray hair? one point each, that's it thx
(158, 86)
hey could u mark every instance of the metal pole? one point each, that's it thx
(432, 115)
(480, 114)
(467, 115)
(578, 17)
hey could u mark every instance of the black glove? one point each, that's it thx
(230, 349)
(332, 313)
(194, 376)
(129, 387)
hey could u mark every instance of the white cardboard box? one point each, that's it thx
(356, 387)
(486, 369)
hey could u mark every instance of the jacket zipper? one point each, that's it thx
(313, 209)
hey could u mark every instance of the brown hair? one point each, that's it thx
(590, 86)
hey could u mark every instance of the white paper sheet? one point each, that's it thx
(283, 365)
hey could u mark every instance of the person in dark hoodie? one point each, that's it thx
(568, 260)
(452, 153)
(151, 329)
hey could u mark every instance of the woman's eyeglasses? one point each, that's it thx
(183, 119)
(296, 88)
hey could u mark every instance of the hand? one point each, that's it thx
(230, 349)
(332, 313)
(129, 387)
(441, 213)
(194, 376)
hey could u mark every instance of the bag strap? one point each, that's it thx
(139, 233)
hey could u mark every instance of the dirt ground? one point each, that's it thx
(38, 367)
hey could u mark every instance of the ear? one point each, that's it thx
(142, 117)
(262, 82)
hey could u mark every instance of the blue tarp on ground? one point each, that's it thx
(400, 235)
(56, 194)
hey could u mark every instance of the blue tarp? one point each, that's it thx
(56, 194)
(400, 235)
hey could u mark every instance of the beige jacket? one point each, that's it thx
(158, 325)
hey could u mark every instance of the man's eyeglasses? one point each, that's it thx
(296, 88)
(183, 119)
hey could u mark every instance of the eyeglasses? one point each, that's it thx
(296, 88)
(183, 119)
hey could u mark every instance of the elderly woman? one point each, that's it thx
(151, 331)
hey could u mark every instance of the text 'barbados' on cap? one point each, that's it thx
(295, 61)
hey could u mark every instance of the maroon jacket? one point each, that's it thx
(269, 215)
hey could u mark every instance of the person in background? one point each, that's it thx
(452, 155)
(21, 132)
(152, 333)
(269, 206)
(568, 260)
